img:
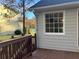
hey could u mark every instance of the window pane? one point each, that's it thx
(61, 14)
(61, 19)
(51, 30)
(47, 25)
(55, 19)
(60, 30)
(47, 21)
(60, 24)
(56, 29)
(51, 20)
(47, 29)
(47, 16)
(51, 25)
(56, 25)
(55, 14)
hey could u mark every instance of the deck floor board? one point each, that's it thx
(53, 54)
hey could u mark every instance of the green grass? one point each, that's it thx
(8, 37)
(2, 37)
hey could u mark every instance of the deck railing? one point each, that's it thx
(16, 49)
(34, 43)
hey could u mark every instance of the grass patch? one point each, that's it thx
(8, 37)
(2, 37)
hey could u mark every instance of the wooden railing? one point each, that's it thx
(16, 49)
(34, 43)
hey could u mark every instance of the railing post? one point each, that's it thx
(35, 42)
(30, 47)
(0, 53)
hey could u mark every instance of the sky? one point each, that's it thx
(18, 1)
(30, 15)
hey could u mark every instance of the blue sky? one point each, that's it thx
(30, 15)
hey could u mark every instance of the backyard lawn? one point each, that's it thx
(7, 37)
(2, 37)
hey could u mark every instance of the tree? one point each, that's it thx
(22, 4)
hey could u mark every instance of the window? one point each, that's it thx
(54, 22)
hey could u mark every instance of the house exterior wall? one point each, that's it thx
(68, 41)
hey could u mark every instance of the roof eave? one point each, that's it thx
(57, 5)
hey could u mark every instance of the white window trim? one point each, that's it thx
(77, 27)
(63, 23)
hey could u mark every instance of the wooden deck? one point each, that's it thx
(53, 54)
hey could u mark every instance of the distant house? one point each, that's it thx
(57, 24)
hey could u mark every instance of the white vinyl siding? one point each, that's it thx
(66, 42)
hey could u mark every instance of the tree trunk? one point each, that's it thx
(24, 29)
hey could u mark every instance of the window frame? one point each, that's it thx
(52, 33)
(77, 26)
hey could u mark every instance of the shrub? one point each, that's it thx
(18, 32)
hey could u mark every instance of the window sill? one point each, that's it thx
(54, 33)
